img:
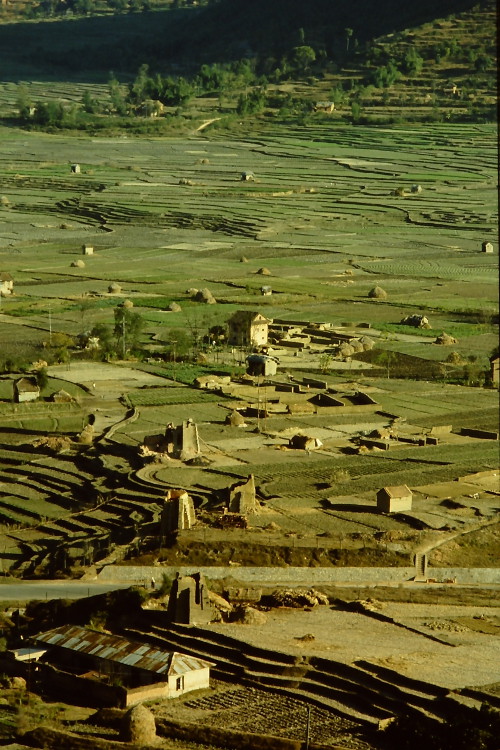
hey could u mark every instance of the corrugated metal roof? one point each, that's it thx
(119, 649)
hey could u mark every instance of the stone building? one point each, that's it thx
(6, 284)
(394, 499)
(242, 498)
(248, 328)
(26, 389)
(189, 602)
(178, 511)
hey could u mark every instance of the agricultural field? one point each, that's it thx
(325, 218)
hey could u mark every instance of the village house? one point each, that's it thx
(142, 672)
(6, 284)
(394, 499)
(26, 389)
(495, 370)
(248, 328)
(324, 107)
(261, 365)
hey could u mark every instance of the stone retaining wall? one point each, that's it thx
(299, 576)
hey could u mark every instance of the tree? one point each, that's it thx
(104, 334)
(42, 378)
(348, 34)
(116, 96)
(23, 102)
(303, 57)
(127, 329)
(387, 358)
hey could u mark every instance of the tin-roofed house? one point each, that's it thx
(142, 672)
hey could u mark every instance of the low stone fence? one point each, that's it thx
(300, 576)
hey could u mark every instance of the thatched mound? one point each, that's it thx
(4, 201)
(250, 616)
(444, 339)
(417, 321)
(367, 342)
(174, 307)
(454, 358)
(264, 271)
(138, 726)
(235, 419)
(127, 304)
(357, 346)
(86, 436)
(192, 291)
(346, 350)
(205, 296)
(114, 288)
(78, 264)
(243, 259)
(377, 293)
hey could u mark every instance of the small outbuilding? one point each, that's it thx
(495, 370)
(87, 249)
(6, 284)
(26, 389)
(394, 499)
(487, 247)
(75, 169)
(327, 107)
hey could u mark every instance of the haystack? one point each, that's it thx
(192, 291)
(174, 307)
(235, 419)
(264, 271)
(86, 436)
(444, 339)
(78, 264)
(138, 726)
(205, 296)
(114, 288)
(367, 342)
(377, 293)
(243, 259)
(127, 304)
(357, 346)
(346, 350)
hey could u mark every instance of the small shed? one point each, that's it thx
(305, 443)
(247, 176)
(75, 169)
(87, 249)
(487, 247)
(6, 284)
(261, 364)
(394, 499)
(324, 107)
(495, 370)
(26, 389)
